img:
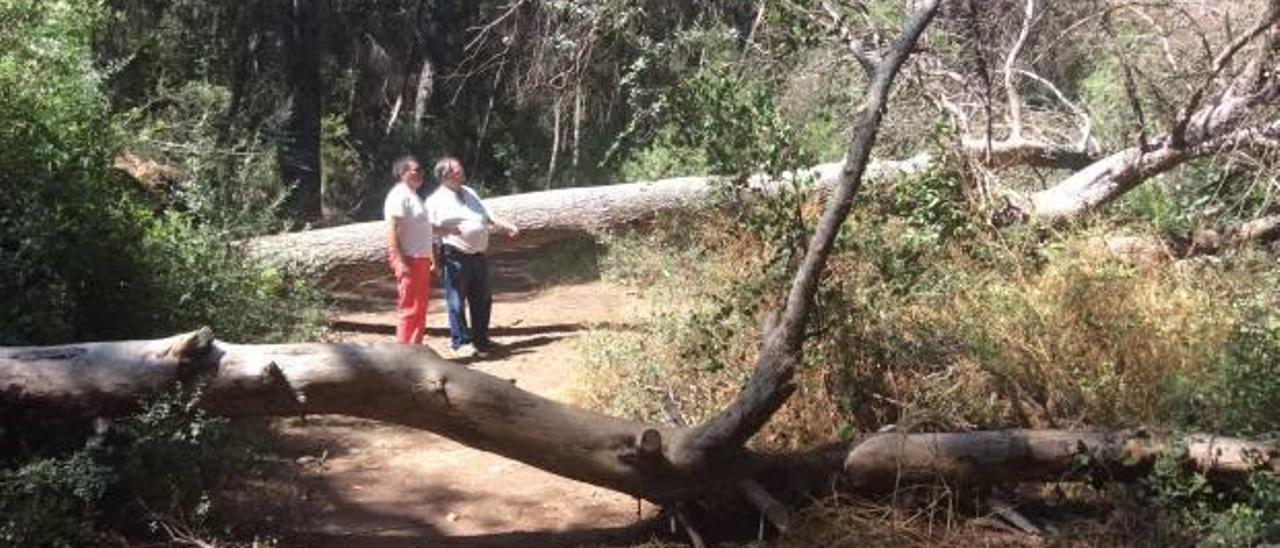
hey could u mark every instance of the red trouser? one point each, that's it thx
(414, 285)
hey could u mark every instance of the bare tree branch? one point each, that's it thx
(771, 385)
(1010, 79)
(867, 60)
(1177, 134)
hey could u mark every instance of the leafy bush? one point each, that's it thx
(53, 501)
(1191, 510)
(928, 320)
(86, 256)
(1239, 393)
(226, 176)
(196, 278)
(61, 235)
(165, 467)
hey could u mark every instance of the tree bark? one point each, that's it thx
(1024, 152)
(300, 151)
(412, 386)
(1106, 180)
(879, 462)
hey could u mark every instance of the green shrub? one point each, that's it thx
(62, 238)
(226, 176)
(53, 501)
(1240, 391)
(169, 465)
(85, 256)
(929, 320)
(1190, 510)
(197, 278)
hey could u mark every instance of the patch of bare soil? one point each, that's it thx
(365, 483)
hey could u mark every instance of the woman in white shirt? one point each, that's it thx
(409, 236)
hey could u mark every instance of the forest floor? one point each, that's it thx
(364, 483)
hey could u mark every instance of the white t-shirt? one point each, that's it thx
(414, 228)
(468, 213)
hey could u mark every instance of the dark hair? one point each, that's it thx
(402, 165)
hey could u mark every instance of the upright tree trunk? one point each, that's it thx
(300, 151)
(577, 129)
(426, 82)
(555, 142)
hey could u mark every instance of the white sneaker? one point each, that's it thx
(464, 351)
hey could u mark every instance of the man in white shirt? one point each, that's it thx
(456, 210)
(409, 240)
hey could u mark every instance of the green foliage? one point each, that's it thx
(1103, 90)
(86, 258)
(1191, 510)
(168, 465)
(196, 278)
(930, 320)
(663, 158)
(63, 238)
(1240, 393)
(225, 177)
(735, 122)
(1202, 194)
(53, 501)
(340, 170)
(1253, 519)
(173, 460)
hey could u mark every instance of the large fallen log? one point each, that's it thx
(412, 386)
(357, 252)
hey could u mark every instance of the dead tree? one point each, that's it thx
(1226, 106)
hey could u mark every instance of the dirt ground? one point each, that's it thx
(365, 483)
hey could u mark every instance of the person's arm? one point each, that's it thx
(398, 262)
(511, 229)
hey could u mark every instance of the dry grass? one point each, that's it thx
(1080, 340)
(989, 334)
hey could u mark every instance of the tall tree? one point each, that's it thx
(300, 150)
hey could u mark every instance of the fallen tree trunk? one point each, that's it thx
(357, 252)
(881, 461)
(1086, 190)
(1028, 153)
(401, 384)
(412, 386)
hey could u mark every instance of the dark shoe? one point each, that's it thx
(489, 347)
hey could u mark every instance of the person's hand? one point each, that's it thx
(431, 264)
(401, 267)
(512, 230)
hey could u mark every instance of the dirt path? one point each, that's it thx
(366, 483)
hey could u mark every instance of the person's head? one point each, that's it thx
(449, 172)
(406, 170)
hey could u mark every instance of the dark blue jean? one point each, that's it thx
(466, 282)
